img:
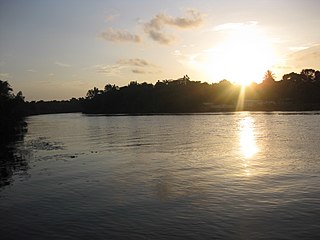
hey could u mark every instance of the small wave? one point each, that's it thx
(43, 144)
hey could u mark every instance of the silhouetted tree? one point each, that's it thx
(49, 107)
(294, 91)
(5, 90)
(308, 75)
(12, 128)
(11, 113)
(268, 77)
(110, 87)
(93, 92)
(317, 76)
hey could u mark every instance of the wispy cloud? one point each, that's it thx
(108, 69)
(31, 70)
(4, 76)
(160, 37)
(192, 19)
(301, 58)
(138, 62)
(111, 17)
(234, 25)
(114, 35)
(155, 27)
(60, 64)
(193, 60)
(135, 65)
(138, 71)
(306, 58)
(304, 47)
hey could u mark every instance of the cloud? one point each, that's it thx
(141, 71)
(192, 20)
(138, 62)
(135, 65)
(301, 58)
(161, 38)
(138, 71)
(298, 48)
(60, 64)
(108, 69)
(31, 70)
(305, 58)
(4, 76)
(154, 28)
(112, 17)
(114, 35)
(234, 26)
(194, 60)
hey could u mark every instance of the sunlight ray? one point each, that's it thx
(241, 98)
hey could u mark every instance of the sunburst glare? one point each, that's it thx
(242, 57)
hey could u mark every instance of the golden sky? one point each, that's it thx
(60, 49)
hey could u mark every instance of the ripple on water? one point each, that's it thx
(166, 177)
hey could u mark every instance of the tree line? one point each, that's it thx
(293, 92)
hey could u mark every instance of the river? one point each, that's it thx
(199, 176)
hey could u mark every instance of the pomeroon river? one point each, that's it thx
(200, 176)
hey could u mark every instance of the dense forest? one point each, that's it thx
(12, 112)
(293, 92)
(49, 107)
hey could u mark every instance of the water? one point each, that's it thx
(218, 176)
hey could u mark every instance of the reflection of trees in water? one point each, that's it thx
(12, 161)
(12, 129)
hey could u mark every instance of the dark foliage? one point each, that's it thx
(293, 92)
(167, 96)
(12, 112)
(12, 128)
(50, 107)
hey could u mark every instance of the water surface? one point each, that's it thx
(216, 176)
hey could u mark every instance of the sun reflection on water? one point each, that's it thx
(248, 144)
(247, 137)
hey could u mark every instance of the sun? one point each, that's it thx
(242, 58)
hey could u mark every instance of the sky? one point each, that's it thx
(60, 49)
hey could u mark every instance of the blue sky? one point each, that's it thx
(60, 49)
